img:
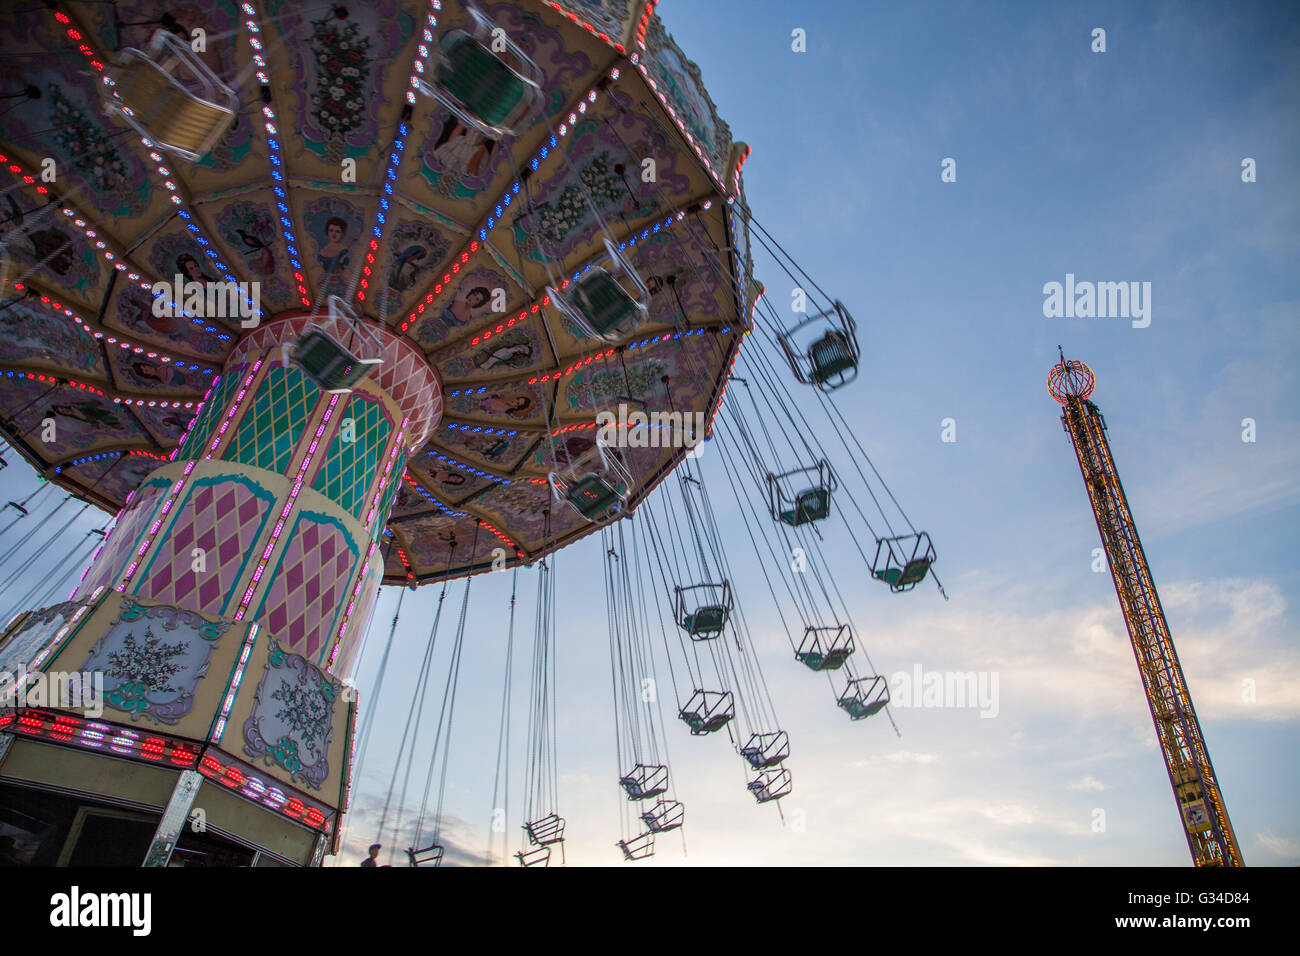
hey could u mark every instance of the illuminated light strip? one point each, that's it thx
(288, 507)
(432, 500)
(54, 380)
(518, 554)
(446, 279)
(94, 735)
(114, 259)
(254, 788)
(150, 403)
(643, 25)
(573, 368)
(399, 145)
(121, 342)
(149, 538)
(352, 603)
(480, 429)
(585, 25)
(277, 159)
(220, 727)
(386, 473)
(456, 464)
(405, 563)
(234, 407)
(198, 412)
(58, 469)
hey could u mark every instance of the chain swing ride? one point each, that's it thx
(421, 393)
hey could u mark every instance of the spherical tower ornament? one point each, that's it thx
(1070, 380)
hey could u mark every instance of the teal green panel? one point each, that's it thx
(202, 429)
(350, 466)
(273, 425)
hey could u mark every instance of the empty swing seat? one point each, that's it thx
(706, 620)
(831, 357)
(594, 497)
(645, 781)
(825, 648)
(479, 80)
(549, 829)
(170, 97)
(665, 815)
(823, 349)
(604, 303)
(910, 574)
(771, 785)
(708, 711)
(814, 504)
(329, 364)
(865, 696)
(430, 856)
(903, 562)
(538, 856)
(766, 750)
(639, 847)
(596, 485)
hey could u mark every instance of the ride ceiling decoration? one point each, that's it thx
(443, 234)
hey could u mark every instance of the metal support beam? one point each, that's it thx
(174, 818)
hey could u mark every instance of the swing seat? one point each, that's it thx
(771, 785)
(665, 815)
(912, 573)
(170, 97)
(831, 358)
(430, 856)
(645, 781)
(904, 561)
(825, 648)
(639, 847)
(766, 750)
(478, 79)
(328, 363)
(701, 725)
(607, 301)
(708, 711)
(706, 622)
(605, 304)
(704, 609)
(858, 710)
(549, 829)
(864, 697)
(538, 856)
(595, 498)
(814, 504)
(830, 661)
(822, 350)
(596, 485)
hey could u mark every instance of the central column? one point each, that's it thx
(275, 503)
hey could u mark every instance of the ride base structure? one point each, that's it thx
(233, 579)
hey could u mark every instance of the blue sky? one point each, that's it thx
(1119, 166)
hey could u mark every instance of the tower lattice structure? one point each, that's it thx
(1196, 789)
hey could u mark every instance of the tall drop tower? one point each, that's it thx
(1196, 789)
